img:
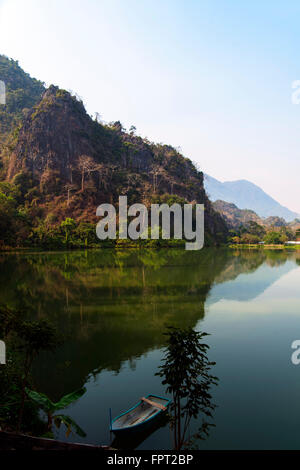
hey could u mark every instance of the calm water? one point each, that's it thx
(114, 307)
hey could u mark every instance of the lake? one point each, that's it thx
(114, 306)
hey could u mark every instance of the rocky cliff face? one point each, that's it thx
(58, 133)
(54, 134)
(76, 163)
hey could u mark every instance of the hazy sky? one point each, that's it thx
(213, 77)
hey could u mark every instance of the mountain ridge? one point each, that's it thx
(247, 195)
(236, 217)
(58, 162)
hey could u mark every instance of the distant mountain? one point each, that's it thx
(246, 195)
(236, 217)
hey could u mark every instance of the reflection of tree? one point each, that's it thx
(186, 374)
(248, 262)
(134, 441)
(114, 305)
(242, 262)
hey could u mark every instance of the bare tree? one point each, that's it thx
(157, 175)
(86, 165)
(69, 187)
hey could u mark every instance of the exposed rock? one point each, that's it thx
(77, 163)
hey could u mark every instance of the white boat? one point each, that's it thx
(140, 415)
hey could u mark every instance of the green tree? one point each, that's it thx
(186, 373)
(50, 407)
(273, 238)
(24, 340)
(68, 225)
(250, 239)
(86, 233)
(8, 214)
(35, 336)
(255, 229)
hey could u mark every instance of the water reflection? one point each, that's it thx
(114, 306)
(134, 440)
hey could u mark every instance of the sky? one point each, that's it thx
(211, 77)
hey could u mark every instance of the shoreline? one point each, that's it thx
(265, 247)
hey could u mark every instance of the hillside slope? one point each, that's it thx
(236, 217)
(62, 163)
(247, 195)
(22, 92)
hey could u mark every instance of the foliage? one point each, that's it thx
(102, 162)
(273, 238)
(22, 92)
(25, 340)
(186, 374)
(68, 225)
(249, 238)
(255, 229)
(50, 407)
(254, 233)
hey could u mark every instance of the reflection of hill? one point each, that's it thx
(115, 306)
(234, 282)
(244, 261)
(246, 287)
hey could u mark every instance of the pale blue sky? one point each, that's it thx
(212, 77)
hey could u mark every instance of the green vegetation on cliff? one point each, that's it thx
(246, 227)
(60, 164)
(22, 92)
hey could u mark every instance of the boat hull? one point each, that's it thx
(140, 417)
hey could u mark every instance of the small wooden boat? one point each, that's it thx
(140, 415)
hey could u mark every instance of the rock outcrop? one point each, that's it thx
(74, 163)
